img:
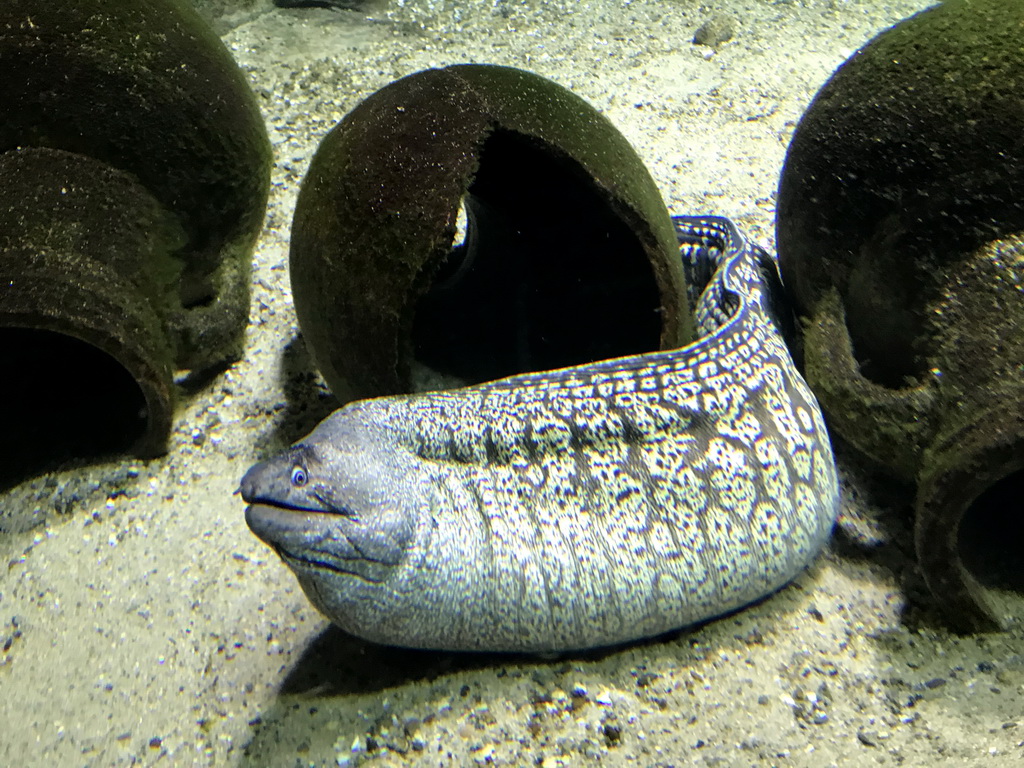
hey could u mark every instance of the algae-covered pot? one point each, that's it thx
(570, 255)
(134, 170)
(900, 222)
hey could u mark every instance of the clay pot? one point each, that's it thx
(570, 255)
(134, 170)
(899, 231)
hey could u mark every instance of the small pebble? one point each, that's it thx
(715, 31)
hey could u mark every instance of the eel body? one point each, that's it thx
(568, 509)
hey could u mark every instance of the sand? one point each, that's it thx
(141, 623)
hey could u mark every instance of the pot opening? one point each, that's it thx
(991, 536)
(65, 401)
(548, 275)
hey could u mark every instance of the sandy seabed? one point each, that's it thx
(149, 627)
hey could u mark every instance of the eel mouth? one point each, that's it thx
(283, 527)
(289, 532)
(307, 540)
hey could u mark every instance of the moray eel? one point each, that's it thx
(569, 509)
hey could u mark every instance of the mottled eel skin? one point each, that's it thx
(568, 509)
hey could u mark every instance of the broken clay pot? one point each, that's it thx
(569, 254)
(900, 222)
(134, 171)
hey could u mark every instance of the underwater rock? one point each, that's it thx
(134, 172)
(715, 31)
(900, 217)
(569, 255)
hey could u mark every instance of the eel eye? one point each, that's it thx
(299, 476)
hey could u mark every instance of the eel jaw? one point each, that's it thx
(306, 541)
(290, 532)
(326, 545)
(275, 524)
